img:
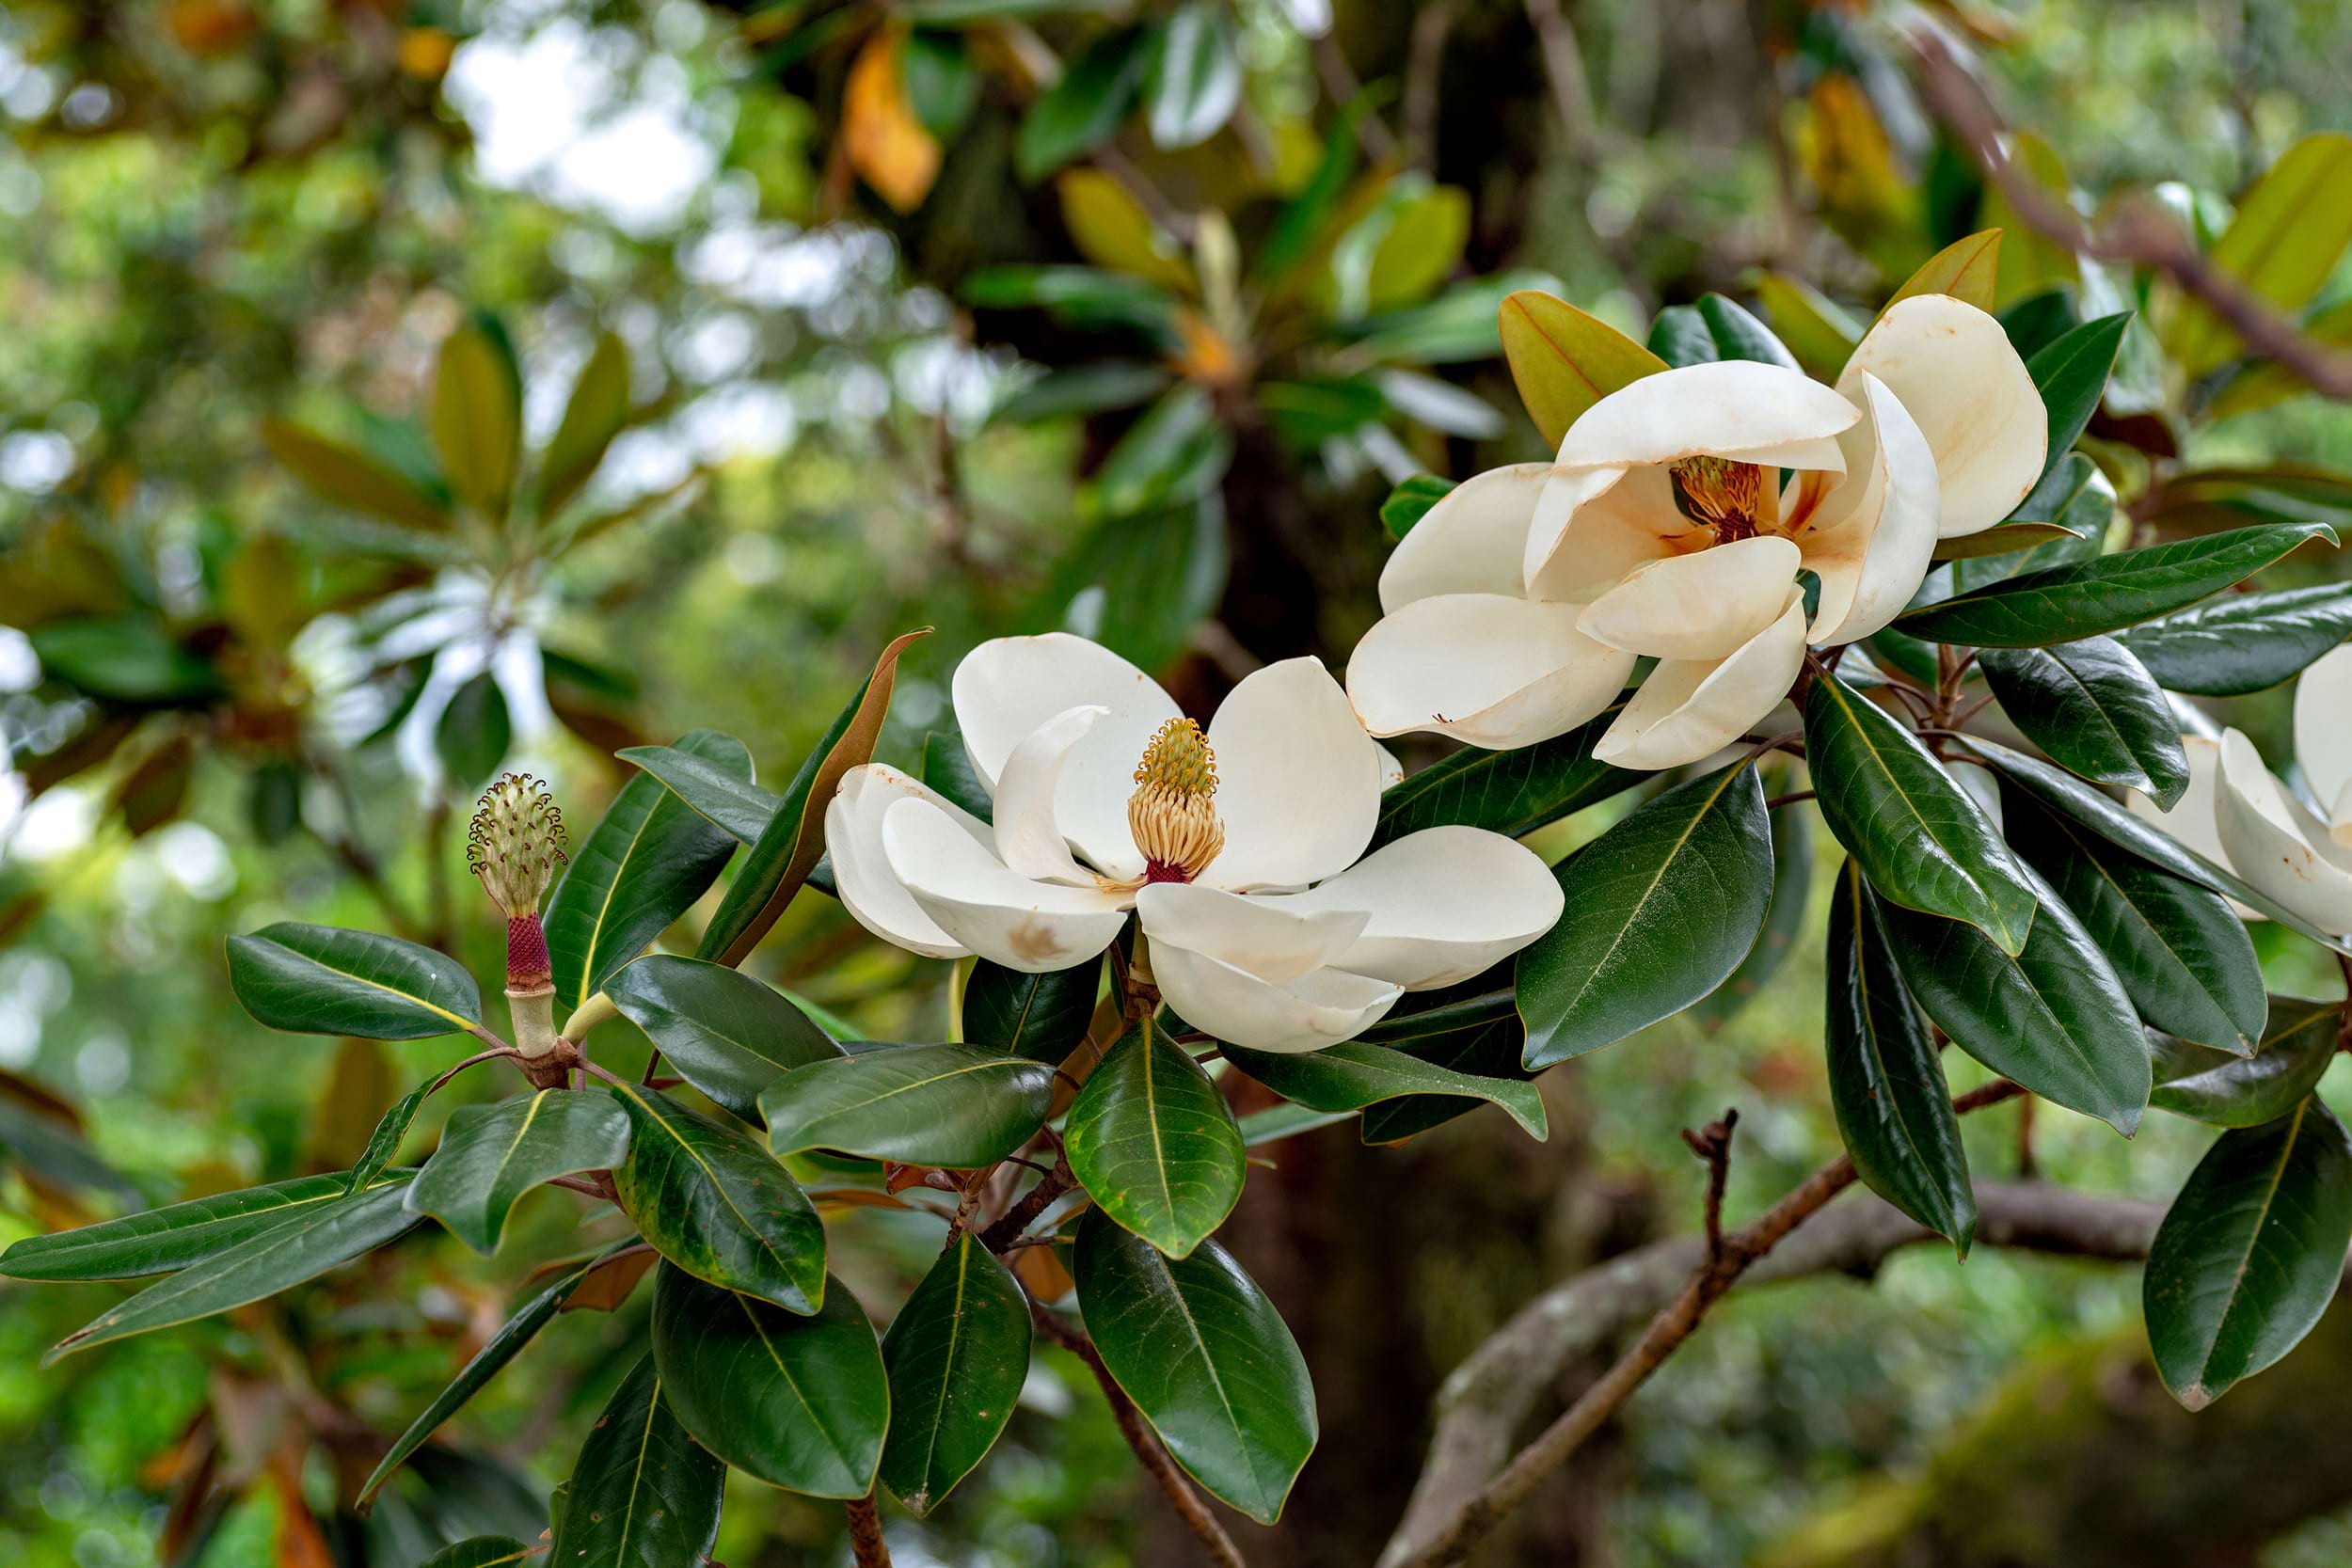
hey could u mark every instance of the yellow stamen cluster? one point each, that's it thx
(515, 843)
(1726, 496)
(1174, 811)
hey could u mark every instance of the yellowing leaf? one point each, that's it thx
(1817, 329)
(2028, 261)
(1967, 269)
(1565, 360)
(260, 591)
(1422, 243)
(425, 53)
(477, 418)
(2290, 230)
(1205, 357)
(885, 143)
(1113, 230)
(351, 478)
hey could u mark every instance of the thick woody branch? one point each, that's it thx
(2139, 235)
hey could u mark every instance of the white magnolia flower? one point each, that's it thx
(1241, 850)
(2238, 813)
(1516, 609)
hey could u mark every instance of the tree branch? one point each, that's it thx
(2138, 234)
(866, 1549)
(1455, 1504)
(1008, 1225)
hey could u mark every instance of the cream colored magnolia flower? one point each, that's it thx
(1515, 611)
(1241, 850)
(2239, 814)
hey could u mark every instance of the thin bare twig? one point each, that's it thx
(1424, 62)
(1563, 67)
(1008, 1225)
(1712, 1144)
(1340, 80)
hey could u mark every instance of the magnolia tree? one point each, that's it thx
(1892, 595)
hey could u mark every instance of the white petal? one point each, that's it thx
(1956, 372)
(1593, 526)
(2323, 738)
(1446, 903)
(869, 890)
(986, 905)
(1688, 709)
(2275, 843)
(1976, 780)
(1298, 780)
(1873, 538)
(1028, 839)
(1471, 542)
(1757, 412)
(1703, 606)
(1008, 686)
(2191, 819)
(1392, 767)
(1484, 668)
(1275, 937)
(1321, 1007)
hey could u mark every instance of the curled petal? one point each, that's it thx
(1873, 538)
(2191, 820)
(1705, 605)
(1484, 668)
(1593, 526)
(986, 905)
(1029, 840)
(1955, 370)
(1739, 408)
(1445, 904)
(1275, 937)
(869, 890)
(1691, 708)
(1321, 1007)
(1470, 543)
(2278, 845)
(1298, 780)
(2323, 738)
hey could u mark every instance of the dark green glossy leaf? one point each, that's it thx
(473, 732)
(725, 1033)
(1661, 909)
(637, 871)
(322, 981)
(1885, 1084)
(713, 1202)
(947, 767)
(801, 1402)
(482, 1551)
(1350, 1076)
(1513, 792)
(1486, 1050)
(2060, 604)
(2182, 955)
(130, 659)
(158, 1240)
(942, 86)
(958, 1353)
(1083, 297)
(2078, 802)
(2243, 641)
(1170, 456)
(304, 1246)
(1153, 1142)
(2054, 1017)
(2251, 1253)
(1792, 884)
(1277, 1122)
(1041, 1016)
(490, 1155)
(390, 1133)
(486, 1363)
(54, 1147)
(1138, 585)
(718, 788)
(1920, 839)
(958, 1106)
(1084, 389)
(2092, 706)
(2072, 374)
(1712, 329)
(1410, 501)
(644, 1494)
(1195, 76)
(789, 849)
(1082, 110)
(1206, 1358)
(2298, 1039)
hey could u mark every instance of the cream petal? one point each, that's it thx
(1321, 1007)
(1392, 767)
(1471, 541)
(1688, 709)
(1705, 605)
(1275, 937)
(1873, 538)
(2323, 738)
(2275, 843)
(1298, 780)
(1446, 903)
(2191, 819)
(1008, 686)
(1757, 412)
(868, 889)
(989, 908)
(1954, 369)
(1028, 839)
(1593, 526)
(1483, 668)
